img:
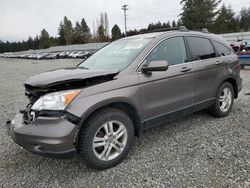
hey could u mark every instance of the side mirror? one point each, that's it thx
(155, 66)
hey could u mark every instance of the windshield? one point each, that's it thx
(117, 55)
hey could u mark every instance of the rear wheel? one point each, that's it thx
(224, 101)
(106, 138)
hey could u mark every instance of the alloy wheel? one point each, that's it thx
(225, 100)
(110, 140)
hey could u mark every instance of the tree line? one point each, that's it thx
(196, 14)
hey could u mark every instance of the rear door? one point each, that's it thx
(163, 93)
(207, 68)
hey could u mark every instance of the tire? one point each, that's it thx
(94, 127)
(242, 67)
(217, 109)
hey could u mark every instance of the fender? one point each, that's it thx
(232, 79)
(107, 102)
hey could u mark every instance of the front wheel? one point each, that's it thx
(224, 101)
(106, 138)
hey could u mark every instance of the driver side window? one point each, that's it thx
(173, 50)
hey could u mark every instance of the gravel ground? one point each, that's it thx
(193, 151)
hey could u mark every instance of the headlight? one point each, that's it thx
(55, 101)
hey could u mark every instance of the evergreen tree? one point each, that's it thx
(101, 34)
(36, 42)
(30, 43)
(44, 39)
(173, 24)
(105, 23)
(61, 39)
(158, 25)
(198, 14)
(53, 41)
(150, 27)
(245, 19)
(179, 23)
(116, 32)
(68, 31)
(85, 31)
(132, 32)
(78, 34)
(168, 25)
(226, 21)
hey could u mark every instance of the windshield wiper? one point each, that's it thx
(81, 67)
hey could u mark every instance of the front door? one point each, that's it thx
(164, 93)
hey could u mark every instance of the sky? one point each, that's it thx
(20, 19)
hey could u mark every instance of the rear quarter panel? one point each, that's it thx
(210, 76)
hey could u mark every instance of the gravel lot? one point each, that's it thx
(194, 151)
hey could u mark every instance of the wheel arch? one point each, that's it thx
(124, 105)
(233, 82)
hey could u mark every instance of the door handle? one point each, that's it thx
(185, 69)
(218, 62)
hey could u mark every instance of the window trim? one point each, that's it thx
(192, 55)
(158, 43)
(217, 53)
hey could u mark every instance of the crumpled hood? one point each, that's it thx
(65, 75)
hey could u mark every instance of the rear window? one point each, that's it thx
(221, 49)
(201, 48)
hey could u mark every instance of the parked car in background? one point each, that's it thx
(23, 56)
(244, 57)
(63, 55)
(82, 55)
(49, 55)
(235, 46)
(97, 108)
(247, 45)
(73, 54)
(42, 55)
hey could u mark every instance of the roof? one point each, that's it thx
(156, 34)
(147, 35)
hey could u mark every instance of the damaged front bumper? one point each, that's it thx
(46, 136)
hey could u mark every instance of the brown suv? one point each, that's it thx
(97, 108)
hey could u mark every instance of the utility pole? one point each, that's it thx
(125, 8)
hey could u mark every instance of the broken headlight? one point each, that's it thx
(55, 101)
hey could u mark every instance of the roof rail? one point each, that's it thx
(204, 30)
(181, 28)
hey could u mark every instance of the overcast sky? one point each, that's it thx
(20, 19)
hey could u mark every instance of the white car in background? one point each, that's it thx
(41, 55)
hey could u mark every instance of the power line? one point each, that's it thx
(125, 8)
